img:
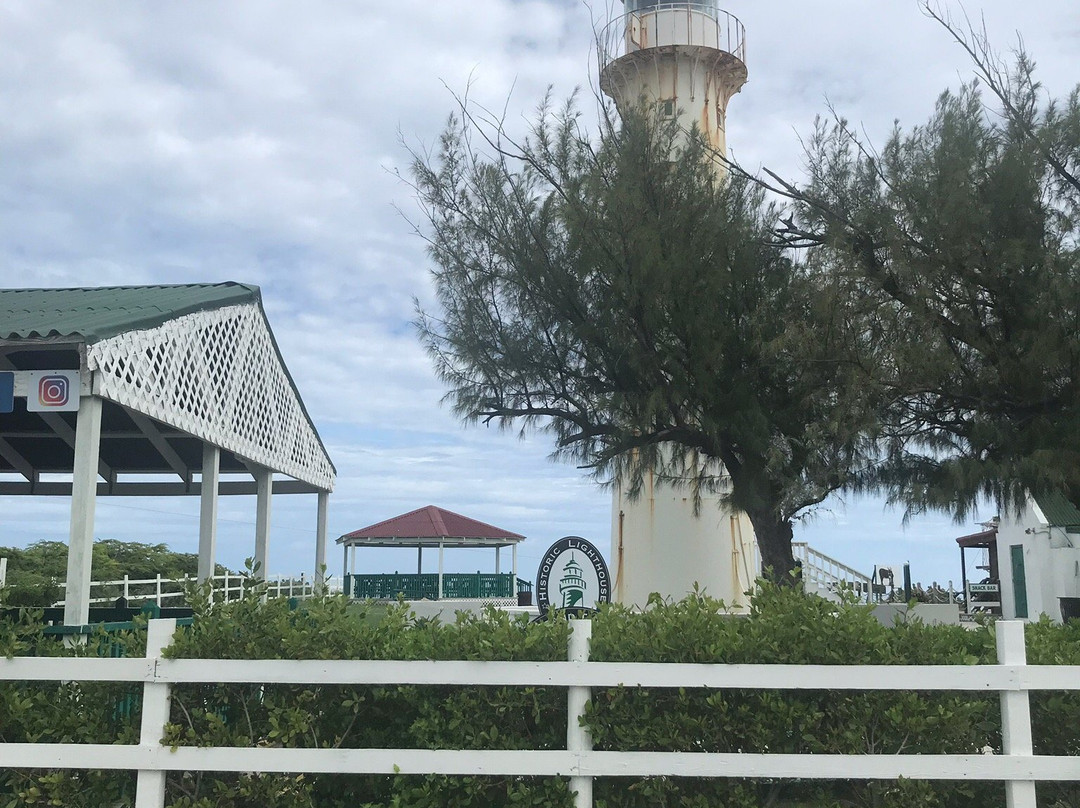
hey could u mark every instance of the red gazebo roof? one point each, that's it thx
(429, 525)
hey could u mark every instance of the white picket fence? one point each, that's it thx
(827, 576)
(1018, 768)
(229, 586)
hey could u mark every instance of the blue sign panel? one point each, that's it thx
(7, 391)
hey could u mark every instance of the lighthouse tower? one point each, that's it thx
(683, 60)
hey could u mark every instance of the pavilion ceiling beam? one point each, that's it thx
(131, 434)
(67, 434)
(20, 463)
(153, 434)
(154, 489)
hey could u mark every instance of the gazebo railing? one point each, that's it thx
(425, 586)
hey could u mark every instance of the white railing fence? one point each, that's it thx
(227, 586)
(828, 574)
(1017, 767)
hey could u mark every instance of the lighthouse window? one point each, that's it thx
(666, 108)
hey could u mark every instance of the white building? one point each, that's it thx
(1035, 558)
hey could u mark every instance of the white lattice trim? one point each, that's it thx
(217, 375)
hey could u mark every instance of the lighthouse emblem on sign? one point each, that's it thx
(573, 577)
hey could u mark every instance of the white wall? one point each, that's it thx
(1051, 563)
(659, 545)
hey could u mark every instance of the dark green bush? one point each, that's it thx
(784, 627)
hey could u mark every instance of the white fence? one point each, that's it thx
(826, 573)
(229, 586)
(1017, 767)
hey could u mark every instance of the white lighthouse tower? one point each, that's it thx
(684, 60)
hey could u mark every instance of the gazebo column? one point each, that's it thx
(320, 542)
(208, 512)
(83, 502)
(513, 560)
(346, 590)
(497, 570)
(419, 559)
(263, 491)
(440, 568)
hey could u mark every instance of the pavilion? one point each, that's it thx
(152, 391)
(433, 527)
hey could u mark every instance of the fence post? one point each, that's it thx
(578, 738)
(126, 588)
(150, 785)
(1015, 712)
(157, 590)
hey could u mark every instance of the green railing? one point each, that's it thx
(425, 586)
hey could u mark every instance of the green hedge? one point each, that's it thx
(784, 627)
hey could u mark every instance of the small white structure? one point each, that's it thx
(685, 60)
(1038, 558)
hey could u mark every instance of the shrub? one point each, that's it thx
(784, 626)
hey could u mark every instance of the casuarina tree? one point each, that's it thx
(967, 230)
(617, 293)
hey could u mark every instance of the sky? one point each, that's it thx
(266, 142)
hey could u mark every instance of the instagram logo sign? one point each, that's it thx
(54, 391)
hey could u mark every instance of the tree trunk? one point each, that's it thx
(774, 542)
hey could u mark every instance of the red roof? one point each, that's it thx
(431, 523)
(983, 538)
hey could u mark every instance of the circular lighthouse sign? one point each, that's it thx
(573, 577)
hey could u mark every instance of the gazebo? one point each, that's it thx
(151, 391)
(433, 527)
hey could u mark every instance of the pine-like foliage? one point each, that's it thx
(964, 232)
(619, 296)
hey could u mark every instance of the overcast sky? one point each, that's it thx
(174, 142)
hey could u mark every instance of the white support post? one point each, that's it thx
(263, 491)
(578, 738)
(157, 590)
(440, 568)
(1015, 712)
(419, 559)
(513, 561)
(208, 511)
(320, 542)
(497, 570)
(3, 572)
(126, 587)
(150, 785)
(83, 503)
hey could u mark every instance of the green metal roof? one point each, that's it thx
(1059, 510)
(92, 315)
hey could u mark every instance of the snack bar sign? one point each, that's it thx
(573, 577)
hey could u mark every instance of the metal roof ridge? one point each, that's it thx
(437, 520)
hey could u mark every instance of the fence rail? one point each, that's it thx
(828, 573)
(229, 586)
(1017, 767)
